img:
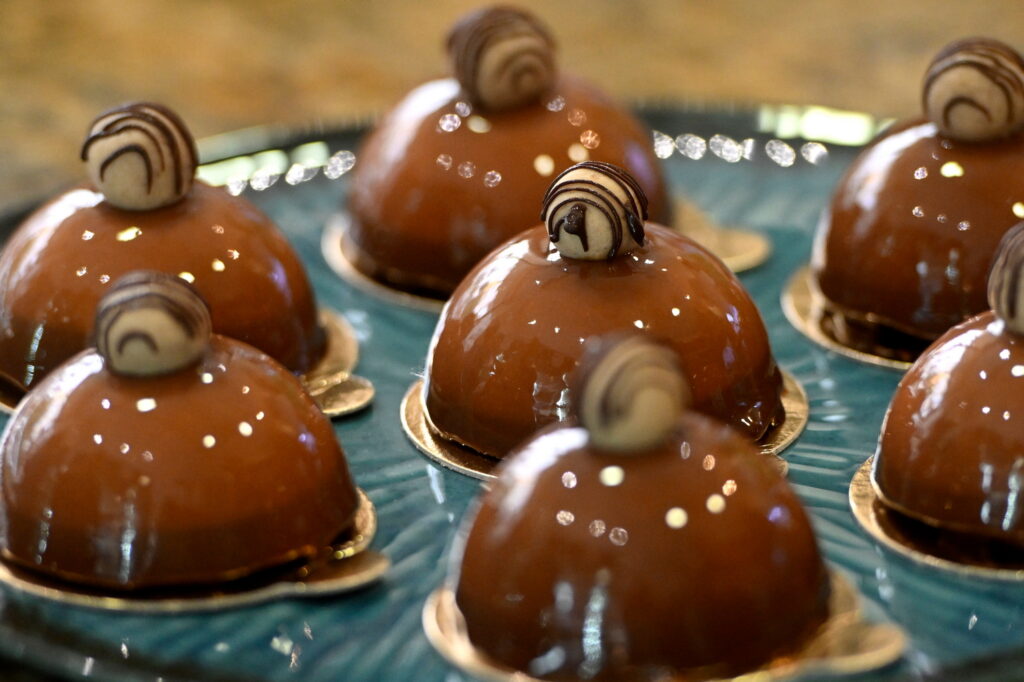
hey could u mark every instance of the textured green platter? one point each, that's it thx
(375, 634)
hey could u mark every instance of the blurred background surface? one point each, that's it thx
(226, 65)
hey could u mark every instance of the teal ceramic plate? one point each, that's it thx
(376, 634)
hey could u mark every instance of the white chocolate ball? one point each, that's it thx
(631, 395)
(140, 156)
(150, 323)
(1006, 280)
(595, 211)
(974, 90)
(503, 57)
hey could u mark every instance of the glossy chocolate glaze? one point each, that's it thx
(203, 475)
(950, 450)
(62, 259)
(694, 557)
(912, 227)
(418, 223)
(500, 361)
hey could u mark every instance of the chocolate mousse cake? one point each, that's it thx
(637, 542)
(903, 249)
(950, 451)
(168, 456)
(513, 332)
(455, 168)
(142, 208)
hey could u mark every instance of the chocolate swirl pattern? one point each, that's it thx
(151, 323)
(141, 156)
(629, 393)
(1006, 280)
(599, 206)
(974, 90)
(502, 57)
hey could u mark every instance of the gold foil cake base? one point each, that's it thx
(348, 566)
(897, 533)
(337, 392)
(845, 644)
(330, 247)
(803, 305)
(739, 249)
(465, 460)
(335, 389)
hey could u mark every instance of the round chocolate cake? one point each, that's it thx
(950, 450)
(168, 456)
(143, 210)
(454, 170)
(904, 247)
(513, 332)
(635, 543)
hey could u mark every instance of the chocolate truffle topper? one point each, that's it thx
(595, 248)
(141, 156)
(942, 485)
(636, 501)
(502, 57)
(902, 251)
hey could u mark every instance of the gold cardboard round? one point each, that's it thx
(465, 460)
(349, 566)
(330, 247)
(803, 305)
(739, 249)
(872, 517)
(335, 390)
(844, 644)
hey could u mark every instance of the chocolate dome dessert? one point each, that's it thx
(903, 250)
(950, 450)
(167, 456)
(142, 209)
(634, 542)
(454, 169)
(513, 331)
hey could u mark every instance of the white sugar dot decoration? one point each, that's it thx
(716, 504)
(612, 476)
(676, 517)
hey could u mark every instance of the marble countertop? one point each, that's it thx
(227, 65)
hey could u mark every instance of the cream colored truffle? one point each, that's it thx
(140, 156)
(595, 211)
(1006, 280)
(503, 57)
(631, 394)
(150, 323)
(974, 90)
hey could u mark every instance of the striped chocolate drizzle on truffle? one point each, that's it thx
(983, 76)
(1006, 277)
(503, 57)
(154, 135)
(151, 323)
(629, 392)
(608, 192)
